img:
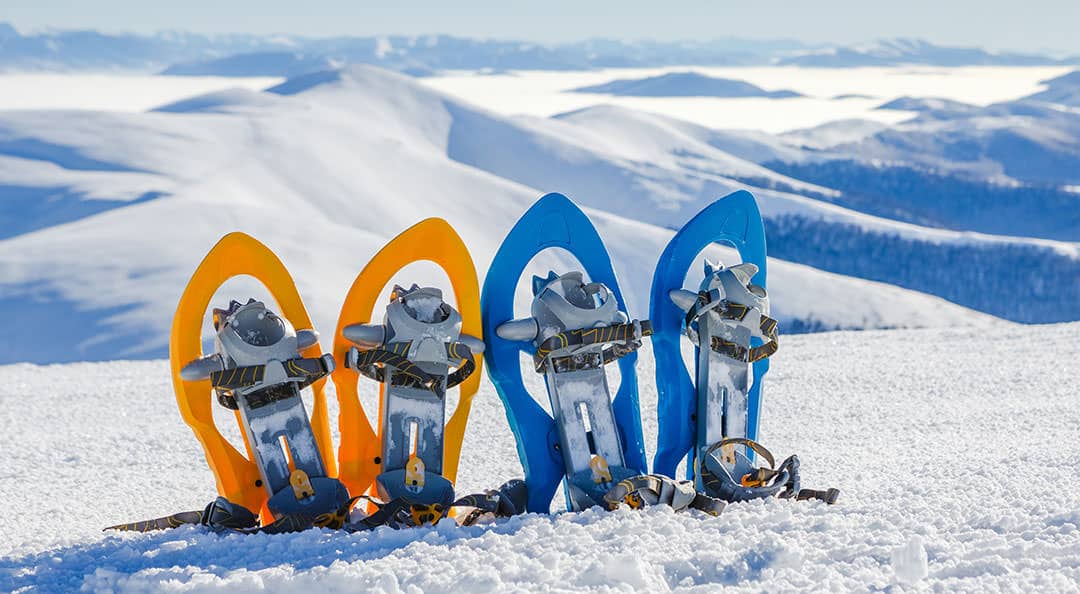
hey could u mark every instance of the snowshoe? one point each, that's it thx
(260, 365)
(423, 347)
(713, 419)
(591, 442)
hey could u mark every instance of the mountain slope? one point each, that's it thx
(324, 169)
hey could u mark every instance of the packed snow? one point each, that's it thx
(955, 451)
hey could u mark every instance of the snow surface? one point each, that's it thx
(962, 439)
(111, 92)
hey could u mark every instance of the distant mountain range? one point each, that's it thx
(894, 52)
(181, 53)
(683, 84)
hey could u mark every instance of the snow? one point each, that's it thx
(545, 93)
(962, 439)
(111, 92)
(426, 309)
(327, 168)
(910, 562)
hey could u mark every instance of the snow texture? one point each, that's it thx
(962, 439)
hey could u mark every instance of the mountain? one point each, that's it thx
(900, 52)
(683, 84)
(92, 50)
(664, 170)
(288, 55)
(286, 64)
(1027, 142)
(114, 210)
(1063, 90)
(926, 105)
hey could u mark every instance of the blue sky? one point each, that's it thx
(1015, 24)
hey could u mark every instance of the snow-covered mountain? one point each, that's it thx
(927, 105)
(683, 84)
(287, 55)
(110, 212)
(664, 170)
(1063, 90)
(185, 53)
(903, 51)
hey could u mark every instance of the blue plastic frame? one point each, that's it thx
(734, 219)
(553, 222)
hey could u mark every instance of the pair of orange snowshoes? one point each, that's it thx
(289, 478)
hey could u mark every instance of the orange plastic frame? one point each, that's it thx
(432, 240)
(236, 254)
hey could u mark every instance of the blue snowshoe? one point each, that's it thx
(591, 442)
(712, 420)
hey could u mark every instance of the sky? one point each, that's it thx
(996, 24)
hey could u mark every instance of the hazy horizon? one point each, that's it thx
(1037, 26)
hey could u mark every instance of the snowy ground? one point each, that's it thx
(963, 438)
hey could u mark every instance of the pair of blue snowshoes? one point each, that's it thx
(591, 442)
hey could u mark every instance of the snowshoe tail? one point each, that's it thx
(166, 523)
(828, 496)
(220, 514)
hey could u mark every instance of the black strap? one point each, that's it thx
(624, 339)
(629, 491)
(303, 371)
(508, 500)
(711, 301)
(372, 363)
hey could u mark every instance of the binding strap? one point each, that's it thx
(372, 363)
(710, 301)
(630, 491)
(302, 371)
(623, 338)
(508, 500)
